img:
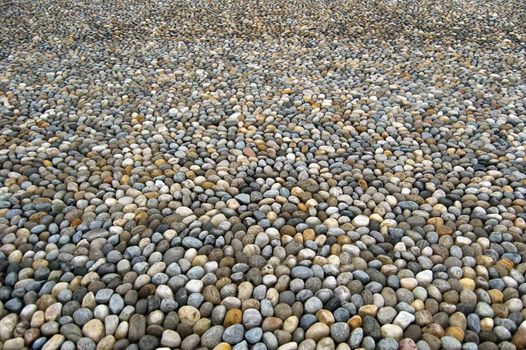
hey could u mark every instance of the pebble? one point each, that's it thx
(211, 337)
(15, 343)
(254, 335)
(53, 343)
(313, 304)
(148, 342)
(170, 338)
(137, 328)
(94, 329)
(391, 331)
(388, 344)
(450, 343)
(407, 344)
(317, 331)
(340, 332)
(404, 319)
(233, 334)
(356, 338)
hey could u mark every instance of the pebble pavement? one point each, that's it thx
(292, 175)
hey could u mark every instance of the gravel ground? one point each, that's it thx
(263, 175)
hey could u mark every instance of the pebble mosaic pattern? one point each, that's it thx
(292, 175)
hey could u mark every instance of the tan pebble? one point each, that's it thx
(189, 315)
(469, 272)
(486, 324)
(317, 331)
(15, 344)
(89, 277)
(40, 263)
(38, 319)
(89, 301)
(199, 260)
(355, 322)
(223, 346)
(519, 338)
(250, 304)
(54, 343)
(408, 283)
(484, 260)
(53, 312)
(434, 329)
(520, 223)
(467, 283)
(309, 235)
(106, 343)
(15, 257)
(245, 290)
(94, 329)
(58, 287)
(45, 301)
(290, 324)
(325, 316)
(458, 319)
(122, 330)
(7, 326)
(455, 332)
(368, 310)
(436, 221)
(418, 305)
(271, 324)
(343, 346)
(233, 316)
(326, 343)
(507, 264)
(31, 335)
(202, 326)
(444, 230)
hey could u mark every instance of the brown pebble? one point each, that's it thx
(233, 316)
(271, 324)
